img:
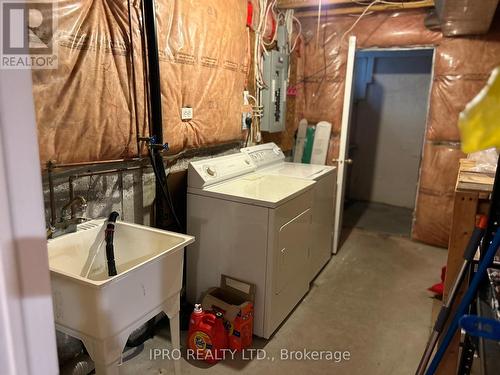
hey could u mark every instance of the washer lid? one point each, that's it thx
(298, 170)
(258, 189)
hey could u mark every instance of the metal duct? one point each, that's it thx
(81, 365)
(68, 348)
(465, 17)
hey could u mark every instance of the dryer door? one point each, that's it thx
(293, 249)
(288, 262)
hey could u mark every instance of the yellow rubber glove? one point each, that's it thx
(479, 123)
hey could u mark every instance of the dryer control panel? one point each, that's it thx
(206, 172)
(265, 155)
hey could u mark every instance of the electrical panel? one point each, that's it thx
(274, 96)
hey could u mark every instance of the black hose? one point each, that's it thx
(248, 122)
(161, 179)
(110, 251)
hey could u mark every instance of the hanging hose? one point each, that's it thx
(155, 142)
(161, 177)
(110, 251)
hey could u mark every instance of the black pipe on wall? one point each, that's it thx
(155, 117)
(153, 69)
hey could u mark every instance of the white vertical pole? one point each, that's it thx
(27, 339)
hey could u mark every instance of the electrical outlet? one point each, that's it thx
(186, 113)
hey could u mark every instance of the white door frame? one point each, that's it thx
(346, 118)
(344, 142)
(27, 338)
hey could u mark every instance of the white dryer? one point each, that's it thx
(270, 160)
(251, 226)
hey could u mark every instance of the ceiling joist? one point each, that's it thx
(305, 8)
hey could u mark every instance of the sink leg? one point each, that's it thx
(106, 354)
(107, 369)
(176, 339)
(171, 307)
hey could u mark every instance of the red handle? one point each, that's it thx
(482, 222)
(209, 319)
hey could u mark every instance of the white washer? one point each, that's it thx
(250, 226)
(270, 160)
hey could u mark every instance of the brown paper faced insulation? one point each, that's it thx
(93, 106)
(439, 169)
(432, 221)
(87, 109)
(449, 96)
(204, 62)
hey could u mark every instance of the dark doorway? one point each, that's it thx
(391, 95)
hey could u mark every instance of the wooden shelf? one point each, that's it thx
(472, 194)
(470, 179)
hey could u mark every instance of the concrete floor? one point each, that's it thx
(370, 300)
(378, 217)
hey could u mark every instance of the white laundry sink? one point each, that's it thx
(102, 311)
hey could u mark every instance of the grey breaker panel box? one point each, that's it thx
(274, 96)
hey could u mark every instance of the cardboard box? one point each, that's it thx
(235, 299)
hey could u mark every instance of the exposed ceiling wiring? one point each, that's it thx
(265, 7)
(402, 2)
(359, 19)
(299, 33)
(267, 14)
(270, 7)
(290, 20)
(319, 23)
(327, 65)
(368, 4)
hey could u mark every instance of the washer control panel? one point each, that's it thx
(203, 173)
(264, 155)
